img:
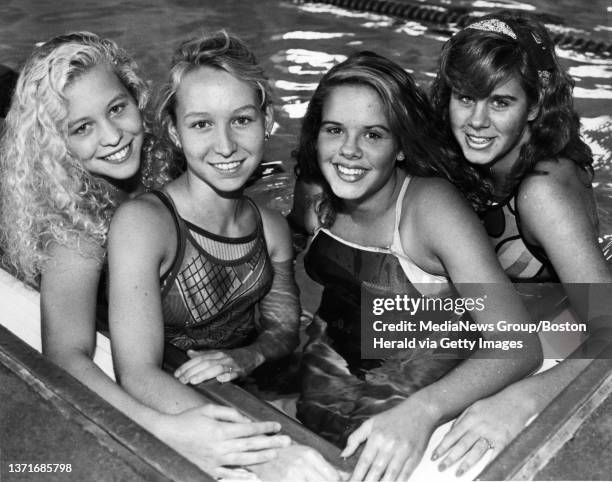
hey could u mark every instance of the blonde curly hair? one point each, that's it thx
(46, 196)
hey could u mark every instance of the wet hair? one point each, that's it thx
(475, 61)
(46, 195)
(411, 122)
(221, 51)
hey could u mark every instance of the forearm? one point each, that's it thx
(280, 315)
(156, 388)
(82, 367)
(473, 379)
(543, 388)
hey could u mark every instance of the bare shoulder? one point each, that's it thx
(435, 198)
(557, 188)
(145, 214)
(143, 226)
(277, 233)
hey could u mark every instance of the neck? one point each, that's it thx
(499, 171)
(378, 204)
(204, 206)
(123, 189)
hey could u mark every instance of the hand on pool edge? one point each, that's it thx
(395, 441)
(488, 424)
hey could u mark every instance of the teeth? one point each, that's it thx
(119, 155)
(348, 171)
(479, 140)
(227, 166)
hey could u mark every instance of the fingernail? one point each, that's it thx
(277, 427)
(459, 472)
(434, 456)
(441, 467)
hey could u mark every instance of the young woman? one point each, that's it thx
(508, 105)
(373, 187)
(70, 154)
(207, 255)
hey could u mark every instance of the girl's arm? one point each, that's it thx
(68, 295)
(555, 214)
(449, 238)
(280, 308)
(141, 242)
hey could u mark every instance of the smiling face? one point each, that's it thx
(356, 150)
(492, 130)
(220, 127)
(104, 125)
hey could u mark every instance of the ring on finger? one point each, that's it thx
(489, 444)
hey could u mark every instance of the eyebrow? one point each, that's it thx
(373, 126)
(235, 111)
(119, 96)
(504, 97)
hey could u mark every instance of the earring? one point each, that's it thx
(267, 136)
(400, 157)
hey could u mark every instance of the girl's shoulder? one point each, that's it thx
(147, 213)
(427, 195)
(553, 179)
(276, 232)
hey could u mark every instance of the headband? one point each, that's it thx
(536, 49)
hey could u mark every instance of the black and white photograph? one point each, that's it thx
(305, 241)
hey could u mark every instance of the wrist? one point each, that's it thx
(428, 406)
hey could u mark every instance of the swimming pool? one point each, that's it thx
(297, 42)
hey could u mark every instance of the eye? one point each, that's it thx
(243, 120)
(201, 124)
(462, 98)
(82, 129)
(500, 103)
(373, 135)
(333, 130)
(117, 109)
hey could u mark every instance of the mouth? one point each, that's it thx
(119, 156)
(227, 167)
(349, 174)
(479, 142)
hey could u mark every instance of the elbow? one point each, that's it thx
(533, 354)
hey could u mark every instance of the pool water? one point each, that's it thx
(298, 42)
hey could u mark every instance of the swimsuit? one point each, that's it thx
(210, 291)
(339, 389)
(522, 262)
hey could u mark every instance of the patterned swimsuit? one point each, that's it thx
(210, 291)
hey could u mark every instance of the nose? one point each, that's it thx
(479, 117)
(350, 148)
(225, 145)
(110, 134)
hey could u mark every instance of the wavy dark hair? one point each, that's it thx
(219, 50)
(411, 122)
(475, 61)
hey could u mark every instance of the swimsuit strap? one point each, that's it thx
(167, 279)
(399, 205)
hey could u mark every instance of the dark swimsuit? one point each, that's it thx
(339, 389)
